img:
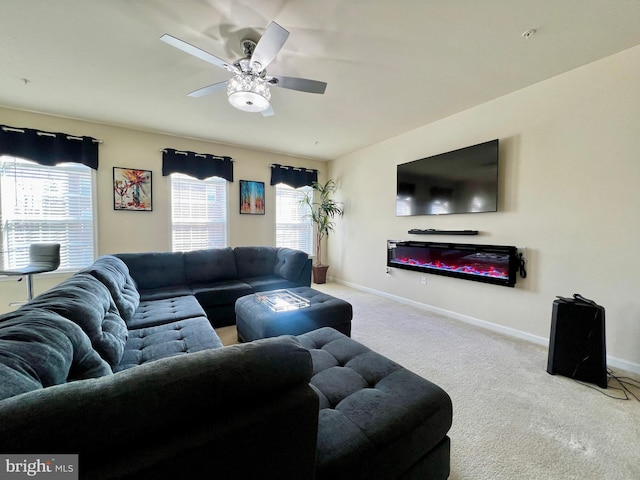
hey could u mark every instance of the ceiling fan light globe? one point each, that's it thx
(248, 93)
(248, 102)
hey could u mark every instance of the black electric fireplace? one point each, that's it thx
(493, 264)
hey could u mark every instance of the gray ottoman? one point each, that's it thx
(255, 320)
(377, 419)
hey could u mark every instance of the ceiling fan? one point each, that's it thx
(248, 89)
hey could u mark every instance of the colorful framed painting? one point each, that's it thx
(132, 189)
(251, 197)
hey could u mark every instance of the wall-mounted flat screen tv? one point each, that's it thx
(460, 181)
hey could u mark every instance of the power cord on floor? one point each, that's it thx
(627, 386)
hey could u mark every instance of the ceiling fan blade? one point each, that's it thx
(196, 52)
(300, 84)
(268, 47)
(269, 112)
(207, 90)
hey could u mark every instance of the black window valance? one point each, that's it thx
(295, 177)
(48, 148)
(198, 165)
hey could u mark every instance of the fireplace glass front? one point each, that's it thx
(493, 264)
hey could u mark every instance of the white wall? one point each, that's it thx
(122, 231)
(570, 194)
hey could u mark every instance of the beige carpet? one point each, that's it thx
(512, 420)
(228, 335)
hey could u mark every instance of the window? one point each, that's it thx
(44, 204)
(198, 213)
(294, 228)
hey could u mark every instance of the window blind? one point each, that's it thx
(46, 204)
(199, 213)
(294, 228)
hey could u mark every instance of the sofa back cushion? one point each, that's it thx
(114, 274)
(255, 261)
(290, 263)
(85, 301)
(210, 266)
(155, 269)
(39, 349)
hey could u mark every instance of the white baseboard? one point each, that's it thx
(614, 362)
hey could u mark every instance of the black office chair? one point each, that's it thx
(43, 257)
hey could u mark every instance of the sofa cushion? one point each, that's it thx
(177, 338)
(210, 266)
(377, 419)
(164, 293)
(255, 261)
(221, 293)
(86, 301)
(268, 282)
(114, 274)
(154, 270)
(187, 417)
(16, 376)
(39, 349)
(290, 263)
(159, 312)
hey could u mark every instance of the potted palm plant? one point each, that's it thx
(322, 209)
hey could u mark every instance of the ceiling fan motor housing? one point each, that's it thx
(248, 46)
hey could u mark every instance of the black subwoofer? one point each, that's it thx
(577, 343)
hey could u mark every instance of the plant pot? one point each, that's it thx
(320, 273)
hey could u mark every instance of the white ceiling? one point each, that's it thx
(391, 66)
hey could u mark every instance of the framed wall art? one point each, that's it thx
(132, 189)
(251, 197)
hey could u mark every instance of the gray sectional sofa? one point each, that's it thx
(217, 277)
(112, 366)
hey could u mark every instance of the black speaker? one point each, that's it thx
(577, 343)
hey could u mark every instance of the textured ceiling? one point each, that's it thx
(390, 66)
